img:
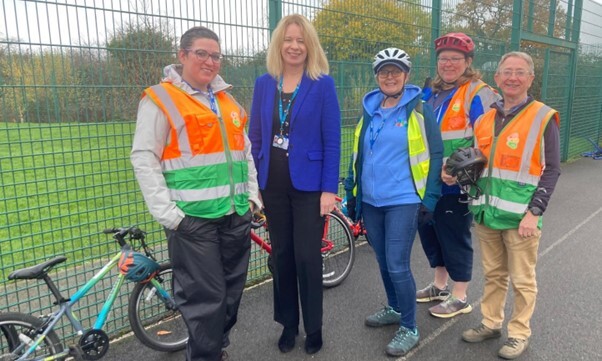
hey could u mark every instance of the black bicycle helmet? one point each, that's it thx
(467, 165)
(136, 267)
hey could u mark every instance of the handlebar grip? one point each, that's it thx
(110, 230)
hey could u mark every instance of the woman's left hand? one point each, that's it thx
(327, 202)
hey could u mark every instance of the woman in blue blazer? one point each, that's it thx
(295, 132)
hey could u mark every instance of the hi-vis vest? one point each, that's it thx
(418, 150)
(516, 160)
(204, 164)
(456, 130)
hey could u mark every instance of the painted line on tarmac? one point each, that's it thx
(570, 233)
(450, 323)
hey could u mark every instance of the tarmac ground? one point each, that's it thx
(567, 324)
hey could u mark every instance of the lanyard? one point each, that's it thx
(212, 100)
(281, 112)
(209, 94)
(373, 135)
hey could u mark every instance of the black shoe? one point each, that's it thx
(313, 342)
(287, 340)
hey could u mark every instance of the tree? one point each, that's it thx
(493, 18)
(140, 52)
(355, 30)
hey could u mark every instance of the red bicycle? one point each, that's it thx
(338, 245)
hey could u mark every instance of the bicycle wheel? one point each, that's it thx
(336, 262)
(156, 321)
(18, 331)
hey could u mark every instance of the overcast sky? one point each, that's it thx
(240, 23)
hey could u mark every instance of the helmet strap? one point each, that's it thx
(394, 96)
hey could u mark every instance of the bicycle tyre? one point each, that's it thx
(337, 263)
(14, 327)
(155, 324)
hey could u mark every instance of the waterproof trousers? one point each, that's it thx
(210, 258)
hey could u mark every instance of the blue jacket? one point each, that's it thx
(433, 187)
(314, 151)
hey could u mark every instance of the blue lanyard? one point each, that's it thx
(374, 136)
(209, 94)
(212, 100)
(282, 113)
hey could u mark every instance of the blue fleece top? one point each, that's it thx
(433, 134)
(386, 177)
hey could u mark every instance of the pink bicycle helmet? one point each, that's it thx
(455, 41)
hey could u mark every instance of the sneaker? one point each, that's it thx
(451, 307)
(224, 356)
(384, 317)
(513, 347)
(480, 334)
(404, 340)
(432, 293)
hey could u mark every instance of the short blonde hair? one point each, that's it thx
(517, 54)
(316, 63)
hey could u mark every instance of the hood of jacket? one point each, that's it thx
(411, 95)
(173, 74)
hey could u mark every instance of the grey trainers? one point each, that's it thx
(404, 340)
(480, 334)
(451, 307)
(384, 317)
(432, 293)
(513, 347)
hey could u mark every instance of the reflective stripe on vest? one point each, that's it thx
(204, 162)
(512, 175)
(456, 130)
(418, 150)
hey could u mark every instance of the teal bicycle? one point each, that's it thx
(152, 312)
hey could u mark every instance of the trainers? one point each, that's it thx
(384, 317)
(224, 356)
(513, 347)
(432, 293)
(451, 307)
(480, 334)
(404, 340)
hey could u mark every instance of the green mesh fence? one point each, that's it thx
(71, 76)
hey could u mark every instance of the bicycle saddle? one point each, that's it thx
(37, 271)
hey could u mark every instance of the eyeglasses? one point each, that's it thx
(454, 61)
(384, 74)
(202, 55)
(520, 73)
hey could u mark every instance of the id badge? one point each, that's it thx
(280, 141)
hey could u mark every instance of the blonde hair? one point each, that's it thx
(316, 63)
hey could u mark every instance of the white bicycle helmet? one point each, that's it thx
(392, 56)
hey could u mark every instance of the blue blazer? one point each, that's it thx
(314, 151)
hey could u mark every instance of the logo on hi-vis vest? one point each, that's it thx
(456, 106)
(512, 141)
(235, 118)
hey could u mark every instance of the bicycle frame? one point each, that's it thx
(65, 308)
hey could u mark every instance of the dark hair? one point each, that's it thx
(198, 32)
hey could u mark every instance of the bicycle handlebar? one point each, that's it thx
(119, 234)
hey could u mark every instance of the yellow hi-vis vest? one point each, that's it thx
(418, 149)
(204, 164)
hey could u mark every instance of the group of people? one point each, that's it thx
(202, 177)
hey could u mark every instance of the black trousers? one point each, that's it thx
(296, 228)
(210, 258)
